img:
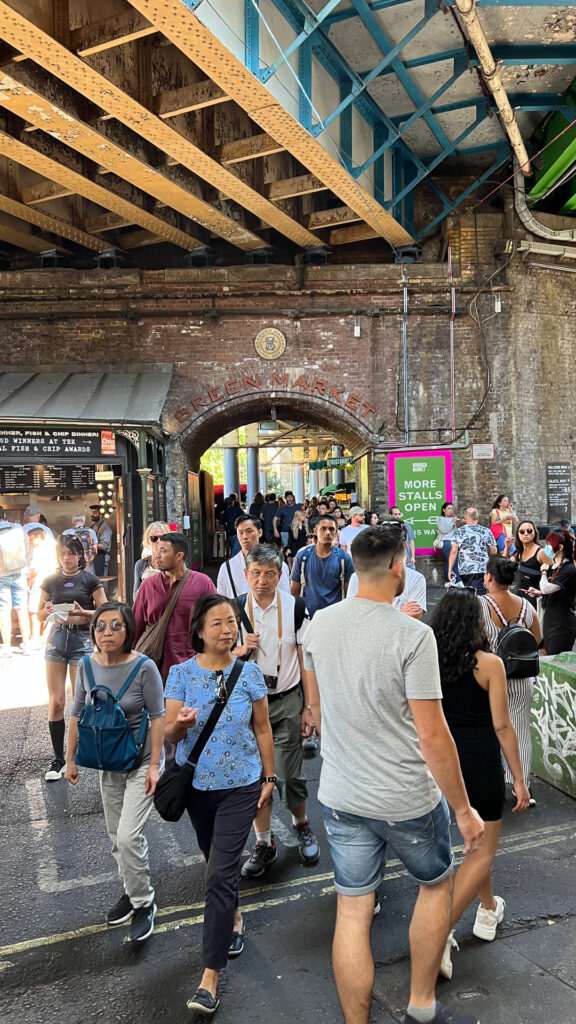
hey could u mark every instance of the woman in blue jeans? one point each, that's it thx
(445, 526)
(234, 777)
(69, 641)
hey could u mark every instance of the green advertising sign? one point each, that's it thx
(419, 483)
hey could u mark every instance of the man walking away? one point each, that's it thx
(284, 516)
(388, 756)
(13, 593)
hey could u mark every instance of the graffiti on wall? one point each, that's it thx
(554, 727)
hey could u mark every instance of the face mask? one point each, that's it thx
(548, 551)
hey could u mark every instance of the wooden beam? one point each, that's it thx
(248, 149)
(63, 124)
(45, 52)
(48, 223)
(107, 222)
(43, 192)
(26, 240)
(136, 239)
(290, 187)
(81, 185)
(115, 31)
(359, 233)
(181, 26)
(187, 98)
(329, 218)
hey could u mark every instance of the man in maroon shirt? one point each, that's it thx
(154, 594)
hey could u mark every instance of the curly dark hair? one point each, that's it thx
(459, 631)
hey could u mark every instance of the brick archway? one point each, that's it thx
(348, 429)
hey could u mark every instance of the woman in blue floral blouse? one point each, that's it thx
(233, 780)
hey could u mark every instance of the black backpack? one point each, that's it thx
(516, 645)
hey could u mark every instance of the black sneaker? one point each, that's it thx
(142, 923)
(121, 911)
(308, 845)
(445, 1016)
(260, 859)
(236, 946)
(203, 1002)
(55, 771)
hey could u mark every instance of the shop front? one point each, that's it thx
(103, 453)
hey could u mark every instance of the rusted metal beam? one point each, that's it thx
(43, 192)
(187, 98)
(26, 240)
(330, 218)
(359, 233)
(115, 31)
(184, 30)
(302, 185)
(107, 222)
(49, 223)
(136, 239)
(239, 150)
(78, 184)
(64, 124)
(21, 33)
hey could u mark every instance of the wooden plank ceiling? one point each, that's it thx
(140, 128)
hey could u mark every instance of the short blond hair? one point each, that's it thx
(156, 527)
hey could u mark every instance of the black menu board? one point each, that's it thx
(20, 478)
(72, 478)
(559, 487)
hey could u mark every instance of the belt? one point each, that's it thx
(66, 625)
(285, 693)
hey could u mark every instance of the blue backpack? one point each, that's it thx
(105, 737)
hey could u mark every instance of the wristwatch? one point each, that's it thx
(268, 778)
(307, 707)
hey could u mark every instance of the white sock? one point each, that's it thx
(264, 837)
(299, 821)
(423, 1016)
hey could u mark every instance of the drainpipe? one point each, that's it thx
(467, 8)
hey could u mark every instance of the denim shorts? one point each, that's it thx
(13, 592)
(358, 847)
(68, 645)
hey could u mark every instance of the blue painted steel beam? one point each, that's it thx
(311, 23)
(511, 56)
(251, 37)
(305, 76)
(382, 5)
(501, 158)
(523, 102)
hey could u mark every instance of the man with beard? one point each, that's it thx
(387, 759)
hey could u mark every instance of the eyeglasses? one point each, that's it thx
(116, 627)
(268, 576)
(525, 531)
(221, 693)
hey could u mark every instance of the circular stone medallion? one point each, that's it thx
(270, 343)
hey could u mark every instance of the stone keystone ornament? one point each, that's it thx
(270, 343)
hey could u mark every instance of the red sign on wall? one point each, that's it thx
(107, 442)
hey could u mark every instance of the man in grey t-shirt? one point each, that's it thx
(388, 757)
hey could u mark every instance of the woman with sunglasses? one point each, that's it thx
(530, 556)
(476, 708)
(144, 566)
(234, 777)
(126, 796)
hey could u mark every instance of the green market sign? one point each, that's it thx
(419, 483)
(330, 464)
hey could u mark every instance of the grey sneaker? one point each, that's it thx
(445, 1016)
(308, 845)
(260, 859)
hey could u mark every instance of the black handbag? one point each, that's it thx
(173, 787)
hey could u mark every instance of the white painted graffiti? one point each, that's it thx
(554, 721)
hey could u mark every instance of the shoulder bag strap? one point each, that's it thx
(493, 605)
(138, 665)
(241, 606)
(342, 575)
(217, 710)
(229, 571)
(88, 670)
(164, 620)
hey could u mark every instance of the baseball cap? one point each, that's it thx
(32, 510)
(356, 511)
(95, 506)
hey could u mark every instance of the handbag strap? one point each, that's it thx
(177, 590)
(194, 755)
(94, 686)
(234, 591)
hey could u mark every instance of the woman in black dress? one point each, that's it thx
(476, 708)
(557, 587)
(530, 557)
(81, 591)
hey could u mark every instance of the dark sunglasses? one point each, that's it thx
(221, 693)
(526, 531)
(157, 537)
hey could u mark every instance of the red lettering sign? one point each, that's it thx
(319, 386)
(300, 382)
(215, 393)
(352, 402)
(252, 381)
(198, 402)
(367, 409)
(279, 382)
(182, 414)
(233, 387)
(335, 393)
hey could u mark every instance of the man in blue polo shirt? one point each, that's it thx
(321, 572)
(284, 516)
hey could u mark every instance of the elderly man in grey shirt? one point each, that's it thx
(388, 758)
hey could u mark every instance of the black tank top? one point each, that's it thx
(532, 579)
(467, 710)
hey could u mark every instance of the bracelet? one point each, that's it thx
(307, 707)
(268, 778)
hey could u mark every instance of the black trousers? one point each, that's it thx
(222, 819)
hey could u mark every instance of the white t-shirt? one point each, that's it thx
(348, 534)
(369, 660)
(271, 651)
(414, 589)
(237, 566)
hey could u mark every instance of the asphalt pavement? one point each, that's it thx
(59, 961)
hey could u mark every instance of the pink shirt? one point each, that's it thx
(151, 600)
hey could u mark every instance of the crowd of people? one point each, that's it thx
(313, 629)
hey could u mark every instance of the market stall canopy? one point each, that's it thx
(95, 397)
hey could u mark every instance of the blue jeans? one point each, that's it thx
(68, 645)
(476, 580)
(358, 848)
(13, 591)
(446, 549)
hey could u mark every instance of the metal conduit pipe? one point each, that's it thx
(529, 220)
(467, 8)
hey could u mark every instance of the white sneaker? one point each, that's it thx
(488, 920)
(447, 585)
(446, 965)
(55, 771)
